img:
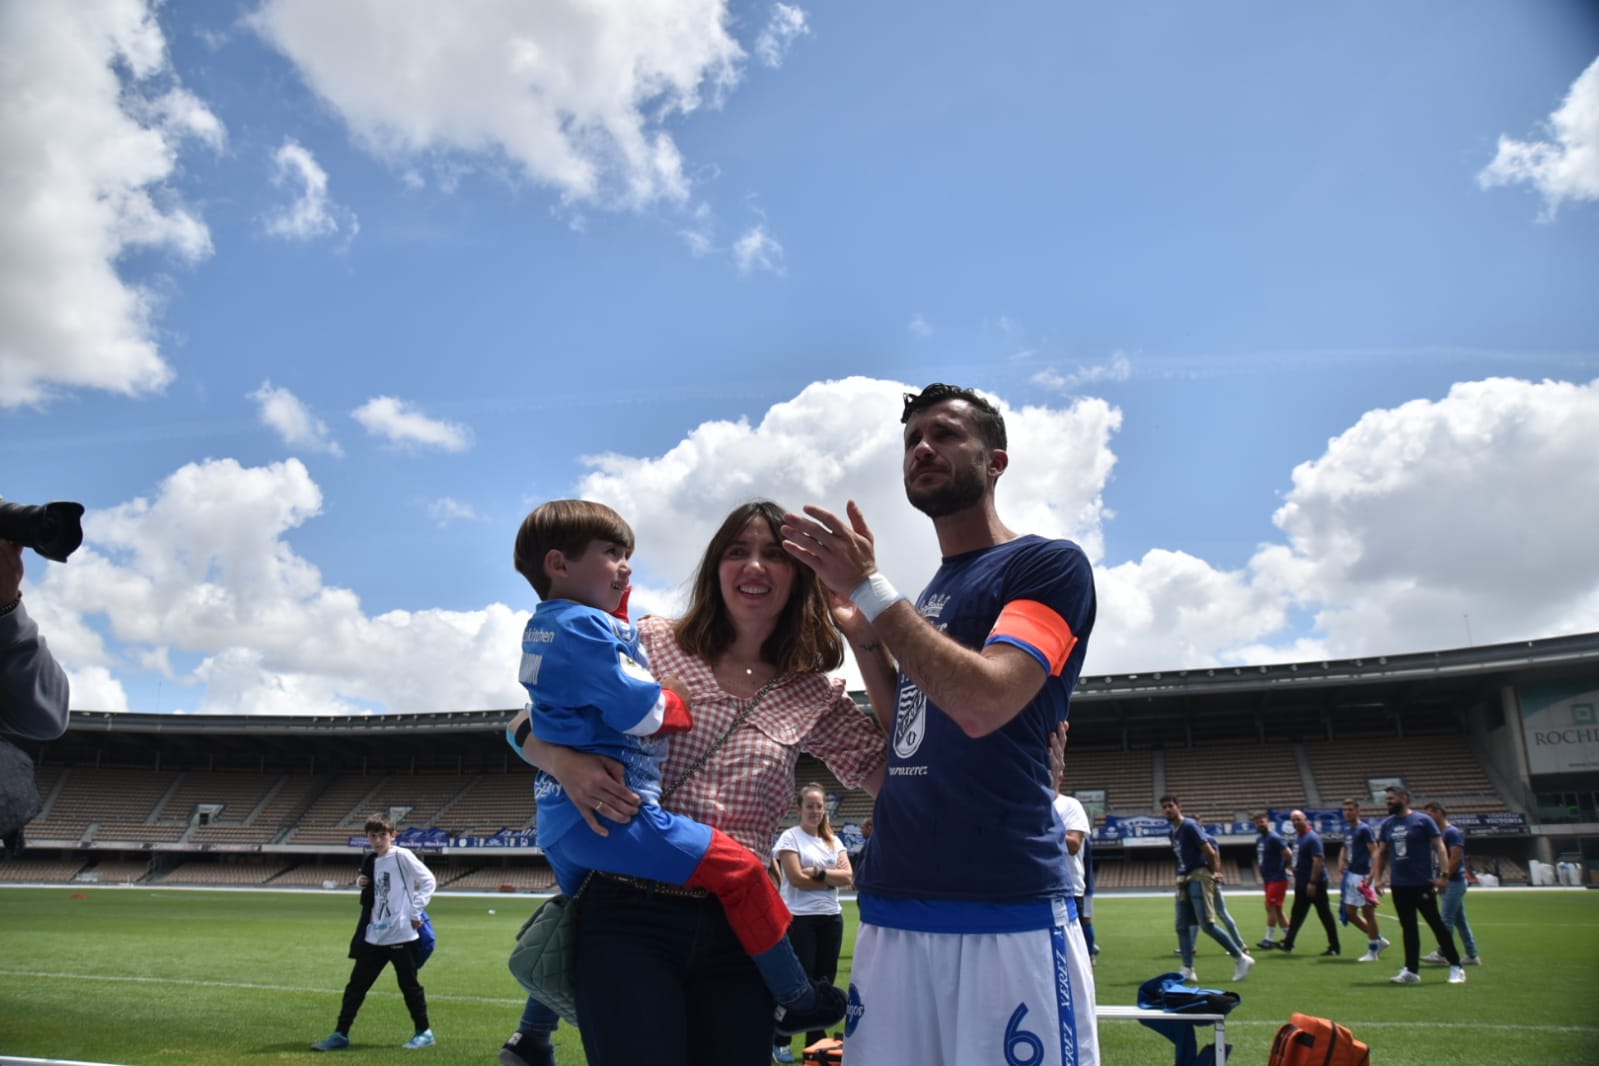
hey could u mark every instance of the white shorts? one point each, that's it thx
(958, 999)
(1349, 890)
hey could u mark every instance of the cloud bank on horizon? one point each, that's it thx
(1470, 510)
(147, 186)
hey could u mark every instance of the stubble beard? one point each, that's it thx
(964, 489)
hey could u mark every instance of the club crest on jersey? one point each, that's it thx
(853, 1011)
(910, 721)
(934, 606)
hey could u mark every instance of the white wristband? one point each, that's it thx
(874, 596)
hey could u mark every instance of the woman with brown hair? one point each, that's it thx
(814, 866)
(661, 977)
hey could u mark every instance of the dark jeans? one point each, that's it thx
(1409, 900)
(817, 940)
(1302, 904)
(662, 979)
(371, 962)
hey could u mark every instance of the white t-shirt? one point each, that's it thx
(401, 888)
(812, 851)
(1073, 817)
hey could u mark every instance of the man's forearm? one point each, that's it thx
(980, 691)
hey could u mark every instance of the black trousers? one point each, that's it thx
(368, 965)
(1302, 904)
(1410, 900)
(817, 940)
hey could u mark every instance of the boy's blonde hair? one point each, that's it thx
(566, 526)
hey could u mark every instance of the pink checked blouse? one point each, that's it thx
(748, 786)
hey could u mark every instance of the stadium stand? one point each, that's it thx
(229, 800)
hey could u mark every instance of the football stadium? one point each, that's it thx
(186, 893)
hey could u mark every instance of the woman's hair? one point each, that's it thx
(804, 640)
(825, 829)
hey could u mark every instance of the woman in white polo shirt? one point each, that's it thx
(814, 864)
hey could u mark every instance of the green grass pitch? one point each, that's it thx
(175, 978)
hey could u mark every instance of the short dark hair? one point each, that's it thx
(379, 823)
(1351, 802)
(990, 423)
(1435, 806)
(1398, 790)
(1169, 798)
(566, 526)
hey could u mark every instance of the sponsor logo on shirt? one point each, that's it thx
(910, 721)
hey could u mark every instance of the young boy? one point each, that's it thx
(591, 690)
(395, 887)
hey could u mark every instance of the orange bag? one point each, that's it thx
(825, 1052)
(1311, 1041)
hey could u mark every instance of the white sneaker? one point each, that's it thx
(1385, 942)
(1406, 977)
(1457, 975)
(1189, 975)
(1472, 960)
(1434, 957)
(1370, 956)
(1241, 970)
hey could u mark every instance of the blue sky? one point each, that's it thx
(1292, 312)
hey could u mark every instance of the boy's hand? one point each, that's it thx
(678, 719)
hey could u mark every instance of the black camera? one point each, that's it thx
(54, 530)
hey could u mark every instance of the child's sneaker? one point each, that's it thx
(334, 1041)
(422, 1039)
(783, 1054)
(1370, 956)
(826, 1010)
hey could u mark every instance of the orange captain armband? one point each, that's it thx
(1038, 628)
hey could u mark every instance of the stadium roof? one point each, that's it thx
(1424, 692)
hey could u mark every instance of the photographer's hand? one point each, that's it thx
(10, 571)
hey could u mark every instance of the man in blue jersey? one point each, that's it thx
(1271, 861)
(1355, 895)
(1453, 907)
(1310, 884)
(1197, 861)
(1409, 847)
(980, 959)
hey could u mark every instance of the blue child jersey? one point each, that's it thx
(1409, 838)
(1269, 854)
(586, 675)
(1306, 850)
(1186, 843)
(992, 794)
(1358, 841)
(1455, 837)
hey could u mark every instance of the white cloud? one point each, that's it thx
(284, 412)
(758, 250)
(399, 423)
(786, 25)
(837, 441)
(1564, 167)
(1482, 504)
(574, 96)
(203, 568)
(446, 509)
(312, 214)
(919, 326)
(91, 129)
(1119, 368)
